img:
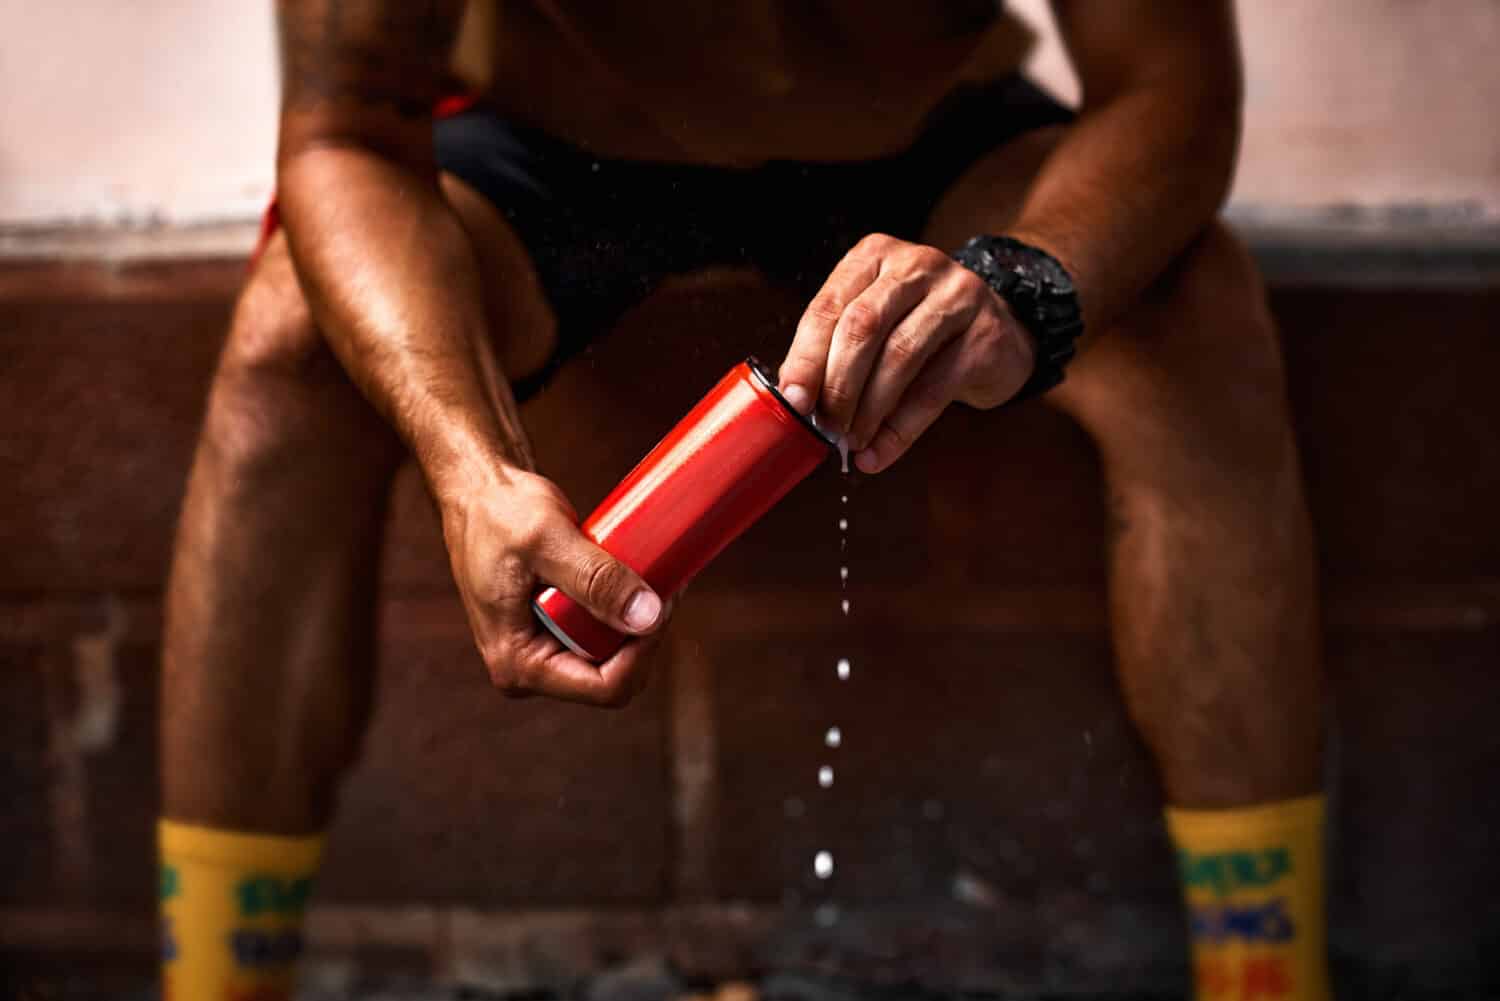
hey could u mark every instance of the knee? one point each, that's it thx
(1191, 381)
(279, 396)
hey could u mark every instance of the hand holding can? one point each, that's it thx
(735, 454)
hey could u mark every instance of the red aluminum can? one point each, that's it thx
(724, 465)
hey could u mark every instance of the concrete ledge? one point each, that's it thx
(1427, 247)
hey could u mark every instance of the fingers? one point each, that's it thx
(802, 372)
(539, 665)
(923, 402)
(944, 314)
(859, 338)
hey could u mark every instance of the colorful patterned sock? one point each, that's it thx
(1252, 880)
(231, 906)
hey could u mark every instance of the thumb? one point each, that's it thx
(611, 591)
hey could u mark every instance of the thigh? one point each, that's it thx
(522, 322)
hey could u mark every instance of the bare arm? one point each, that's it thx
(395, 288)
(1150, 160)
(899, 330)
(389, 272)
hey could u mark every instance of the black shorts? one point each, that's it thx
(603, 233)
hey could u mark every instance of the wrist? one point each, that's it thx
(1039, 295)
(464, 462)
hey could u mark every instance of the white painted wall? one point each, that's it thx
(135, 110)
(164, 110)
(1368, 103)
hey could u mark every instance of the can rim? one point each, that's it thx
(764, 376)
(557, 632)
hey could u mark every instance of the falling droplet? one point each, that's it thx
(825, 776)
(843, 524)
(843, 669)
(843, 498)
(844, 574)
(823, 865)
(834, 737)
(845, 605)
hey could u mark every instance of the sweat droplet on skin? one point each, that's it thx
(823, 865)
(842, 669)
(834, 737)
(825, 776)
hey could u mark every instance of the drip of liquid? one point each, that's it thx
(825, 776)
(834, 737)
(823, 865)
(842, 669)
(845, 605)
(844, 576)
(839, 441)
(843, 524)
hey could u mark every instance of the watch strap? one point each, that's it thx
(1040, 292)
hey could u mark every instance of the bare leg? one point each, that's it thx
(267, 653)
(1213, 584)
(266, 660)
(1214, 591)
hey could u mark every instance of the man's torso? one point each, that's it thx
(736, 82)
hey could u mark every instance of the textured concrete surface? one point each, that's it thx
(993, 817)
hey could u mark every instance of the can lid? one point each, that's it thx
(767, 378)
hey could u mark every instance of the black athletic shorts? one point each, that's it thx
(603, 233)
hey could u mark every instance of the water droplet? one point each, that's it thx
(834, 737)
(823, 865)
(843, 524)
(844, 574)
(843, 498)
(845, 605)
(825, 776)
(843, 669)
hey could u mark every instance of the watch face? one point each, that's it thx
(1036, 267)
(1055, 280)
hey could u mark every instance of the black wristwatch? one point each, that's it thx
(1040, 292)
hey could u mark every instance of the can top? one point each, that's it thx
(767, 378)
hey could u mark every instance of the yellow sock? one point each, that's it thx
(232, 908)
(1252, 880)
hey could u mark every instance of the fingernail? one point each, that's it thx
(798, 397)
(865, 461)
(642, 611)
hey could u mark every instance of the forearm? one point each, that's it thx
(1128, 187)
(395, 287)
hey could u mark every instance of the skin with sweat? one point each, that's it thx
(398, 305)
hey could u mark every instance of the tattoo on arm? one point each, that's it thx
(366, 58)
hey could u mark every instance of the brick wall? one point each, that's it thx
(994, 817)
